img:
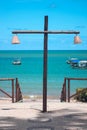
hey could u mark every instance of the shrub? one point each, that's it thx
(81, 94)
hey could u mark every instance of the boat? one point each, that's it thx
(76, 63)
(82, 64)
(16, 62)
(72, 60)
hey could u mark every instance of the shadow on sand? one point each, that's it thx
(63, 119)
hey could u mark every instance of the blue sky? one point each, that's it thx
(29, 15)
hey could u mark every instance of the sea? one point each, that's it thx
(30, 72)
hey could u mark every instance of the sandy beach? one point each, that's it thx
(28, 115)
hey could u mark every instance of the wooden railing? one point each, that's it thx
(16, 91)
(65, 93)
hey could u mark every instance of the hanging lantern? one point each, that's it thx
(77, 40)
(15, 40)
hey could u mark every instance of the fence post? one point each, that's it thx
(68, 90)
(65, 89)
(12, 90)
(16, 89)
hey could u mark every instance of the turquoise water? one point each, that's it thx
(30, 72)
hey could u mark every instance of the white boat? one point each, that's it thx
(82, 64)
(16, 62)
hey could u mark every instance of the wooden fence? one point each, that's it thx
(16, 94)
(65, 93)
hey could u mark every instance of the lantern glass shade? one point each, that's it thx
(15, 40)
(77, 40)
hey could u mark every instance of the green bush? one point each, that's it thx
(81, 94)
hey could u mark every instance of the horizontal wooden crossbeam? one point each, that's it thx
(43, 32)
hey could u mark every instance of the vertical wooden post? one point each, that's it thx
(45, 65)
(16, 90)
(65, 88)
(12, 90)
(64, 91)
(68, 90)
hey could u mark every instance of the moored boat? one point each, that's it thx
(82, 64)
(76, 63)
(72, 60)
(16, 62)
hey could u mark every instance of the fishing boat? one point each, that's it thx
(76, 63)
(82, 64)
(16, 62)
(72, 60)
